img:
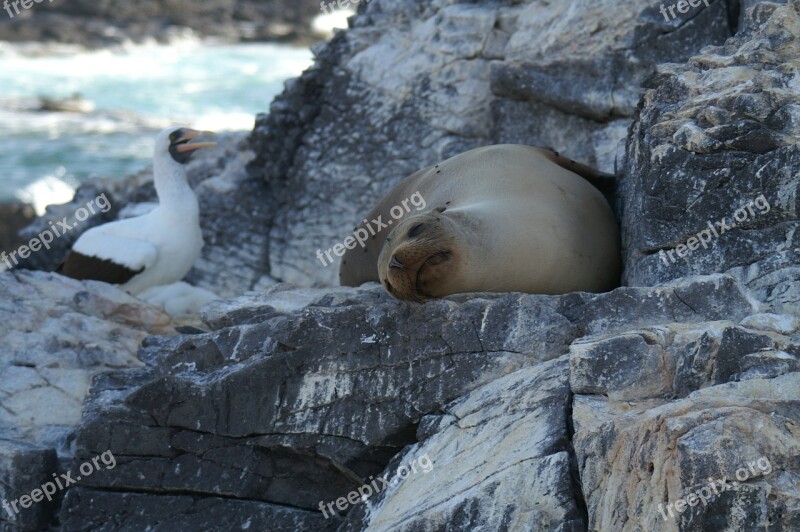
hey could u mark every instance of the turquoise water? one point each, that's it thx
(135, 92)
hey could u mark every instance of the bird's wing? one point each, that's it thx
(107, 257)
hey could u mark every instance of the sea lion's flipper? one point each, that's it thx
(606, 183)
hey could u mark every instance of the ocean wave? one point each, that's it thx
(134, 90)
(50, 190)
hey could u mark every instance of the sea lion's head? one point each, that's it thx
(420, 257)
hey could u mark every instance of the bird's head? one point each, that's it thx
(177, 143)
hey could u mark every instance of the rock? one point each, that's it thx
(57, 334)
(52, 347)
(716, 141)
(109, 22)
(525, 483)
(779, 323)
(302, 384)
(666, 361)
(660, 413)
(638, 458)
(134, 511)
(23, 468)
(236, 209)
(72, 104)
(13, 218)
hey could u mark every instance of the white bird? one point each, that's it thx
(155, 249)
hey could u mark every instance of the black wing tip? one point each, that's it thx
(87, 267)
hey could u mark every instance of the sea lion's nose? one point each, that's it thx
(394, 263)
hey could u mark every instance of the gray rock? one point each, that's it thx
(638, 458)
(524, 483)
(713, 136)
(299, 396)
(23, 468)
(57, 334)
(13, 218)
(103, 511)
(675, 360)
(660, 412)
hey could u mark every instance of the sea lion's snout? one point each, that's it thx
(417, 257)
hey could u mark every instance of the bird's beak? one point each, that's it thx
(191, 134)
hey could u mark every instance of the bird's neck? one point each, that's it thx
(174, 193)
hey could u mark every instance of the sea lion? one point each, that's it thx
(503, 218)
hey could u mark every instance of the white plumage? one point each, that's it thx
(155, 249)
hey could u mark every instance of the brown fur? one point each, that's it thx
(424, 255)
(504, 218)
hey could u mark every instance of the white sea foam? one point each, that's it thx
(136, 90)
(332, 21)
(50, 190)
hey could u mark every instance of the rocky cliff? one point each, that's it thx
(671, 403)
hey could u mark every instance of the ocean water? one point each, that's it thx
(135, 92)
